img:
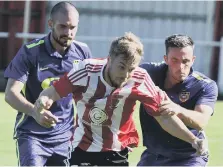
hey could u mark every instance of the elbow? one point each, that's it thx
(7, 97)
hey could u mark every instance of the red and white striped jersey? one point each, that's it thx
(104, 114)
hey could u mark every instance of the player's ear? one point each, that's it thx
(109, 58)
(165, 58)
(50, 23)
(193, 59)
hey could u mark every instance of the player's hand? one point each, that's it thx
(43, 102)
(45, 118)
(201, 145)
(42, 116)
(168, 107)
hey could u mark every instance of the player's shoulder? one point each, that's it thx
(35, 44)
(202, 79)
(82, 49)
(198, 76)
(203, 83)
(95, 61)
(139, 74)
(91, 64)
(153, 66)
(139, 70)
(156, 71)
(31, 49)
(81, 46)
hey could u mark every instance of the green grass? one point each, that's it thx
(8, 150)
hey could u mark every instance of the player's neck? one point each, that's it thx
(169, 81)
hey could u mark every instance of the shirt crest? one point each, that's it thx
(184, 96)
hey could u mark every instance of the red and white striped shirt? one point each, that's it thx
(104, 114)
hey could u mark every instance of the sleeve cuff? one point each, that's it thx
(63, 86)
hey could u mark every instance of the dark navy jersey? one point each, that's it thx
(37, 65)
(196, 89)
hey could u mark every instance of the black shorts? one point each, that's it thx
(108, 158)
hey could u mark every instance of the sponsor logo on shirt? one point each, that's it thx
(184, 96)
(76, 61)
(97, 116)
(43, 68)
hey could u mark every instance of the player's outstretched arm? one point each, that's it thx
(174, 126)
(15, 99)
(197, 118)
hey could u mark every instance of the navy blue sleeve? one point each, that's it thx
(209, 95)
(19, 67)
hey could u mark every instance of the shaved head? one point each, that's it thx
(63, 22)
(64, 8)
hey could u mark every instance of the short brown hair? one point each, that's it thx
(127, 45)
(178, 41)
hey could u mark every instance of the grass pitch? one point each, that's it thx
(8, 157)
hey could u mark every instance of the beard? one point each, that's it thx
(58, 41)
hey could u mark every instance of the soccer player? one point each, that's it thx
(105, 92)
(192, 96)
(34, 68)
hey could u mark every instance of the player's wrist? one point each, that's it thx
(33, 112)
(194, 140)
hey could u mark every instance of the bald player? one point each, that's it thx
(43, 138)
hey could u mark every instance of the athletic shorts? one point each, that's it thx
(31, 152)
(150, 159)
(109, 158)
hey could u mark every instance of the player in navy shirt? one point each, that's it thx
(192, 96)
(43, 138)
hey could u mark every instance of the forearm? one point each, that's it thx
(174, 126)
(193, 119)
(17, 101)
(50, 93)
